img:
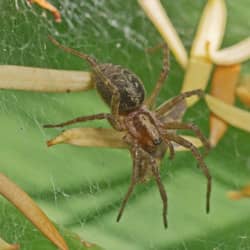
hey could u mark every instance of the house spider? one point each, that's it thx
(149, 132)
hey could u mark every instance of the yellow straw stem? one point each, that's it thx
(43, 80)
(160, 19)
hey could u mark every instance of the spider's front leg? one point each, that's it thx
(202, 165)
(100, 116)
(115, 101)
(174, 101)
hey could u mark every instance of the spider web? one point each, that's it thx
(81, 188)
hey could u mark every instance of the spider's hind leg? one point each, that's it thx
(192, 127)
(202, 165)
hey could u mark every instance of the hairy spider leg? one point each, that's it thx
(80, 119)
(171, 150)
(136, 161)
(162, 191)
(175, 100)
(92, 62)
(202, 165)
(115, 101)
(150, 102)
(192, 127)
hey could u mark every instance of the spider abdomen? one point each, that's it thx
(129, 86)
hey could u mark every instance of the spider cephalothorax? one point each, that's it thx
(149, 132)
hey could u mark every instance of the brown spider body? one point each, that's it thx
(148, 132)
(129, 86)
(142, 129)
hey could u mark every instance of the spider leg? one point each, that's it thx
(171, 104)
(86, 57)
(171, 151)
(150, 102)
(202, 165)
(190, 126)
(115, 101)
(81, 119)
(135, 154)
(163, 193)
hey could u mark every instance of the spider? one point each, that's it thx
(149, 131)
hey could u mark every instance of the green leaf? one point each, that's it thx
(82, 188)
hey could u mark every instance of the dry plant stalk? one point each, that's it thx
(102, 137)
(205, 48)
(43, 80)
(160, 19)
(244, 95)
(90, 137)
(29, 208)
(196, 77)
(243, 193)
(223, 87)
(210, 31)
(243, 90)
(234, 116)
(48, 6)
(6, 246)
(87, 244)
(234, 54)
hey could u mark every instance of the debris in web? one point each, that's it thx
(48, 6)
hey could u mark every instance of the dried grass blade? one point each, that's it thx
(223, 87)
(235, 54)
(48, 6)
(6, 246)
(32, 212)
(43, 80)
(160, 19)
(211, 28)
(243, 90)
(100, 137)
(234, 116)
(210, 31)
(243, 193)
(196, 77)
(90, 137)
